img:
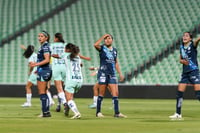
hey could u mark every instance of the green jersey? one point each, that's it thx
(57, 48)
(73, 68)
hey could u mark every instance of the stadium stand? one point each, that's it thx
(142, 29)
(17, 13)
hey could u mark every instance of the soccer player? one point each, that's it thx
(74, 77)
(95, 89)
(32, 80)
(107, 73)
(58, 68)
(190, 72)
(32, 57)
(44, 71)
(72, 50)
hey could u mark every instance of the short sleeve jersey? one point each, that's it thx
(45, 48)
(73, 68)
(107, 60)
(191, 53)
(58, 48)
(33, 58)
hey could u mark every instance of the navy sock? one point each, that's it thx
(45, 102)
(179, 100)
(116, 104)
(99, 101)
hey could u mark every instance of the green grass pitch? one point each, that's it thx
(144, 116)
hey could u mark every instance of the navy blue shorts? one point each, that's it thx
(44, 75)
(106, 78)
(192, 77)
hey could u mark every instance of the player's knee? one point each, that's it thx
(179, 94)
(197, 95)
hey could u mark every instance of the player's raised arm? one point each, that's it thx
(196, 42)
(22, 47)
(97, 43)
(84, 57)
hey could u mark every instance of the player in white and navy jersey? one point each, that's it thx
(190, 72)
(44, 71)
(107, 73)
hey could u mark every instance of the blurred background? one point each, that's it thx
(147, 34)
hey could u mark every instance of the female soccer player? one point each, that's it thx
(32, 57)
(58, 68)
(95, 89)
(190, 73)
(71, 50)
(107, 73)
(32, 80)
(44, 71)
(74, 77)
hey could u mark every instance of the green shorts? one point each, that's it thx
(59, 72)
(33, 78)
(72, 86)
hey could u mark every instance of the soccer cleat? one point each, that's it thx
(92, 106)
(26, 104)
(40, 115)
(120, 115)
(52, 103)
(176, 116)
(100, 115)
(58, 108)
(76, 116)
(45, 114)
(66, 109)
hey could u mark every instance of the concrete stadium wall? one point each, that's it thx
(125, 91)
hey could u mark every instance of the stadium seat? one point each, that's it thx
(141, 29)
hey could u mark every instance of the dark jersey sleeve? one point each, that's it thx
(46, 49)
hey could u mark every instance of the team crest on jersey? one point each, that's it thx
(39, 49)
(115, 53)
(189, 50)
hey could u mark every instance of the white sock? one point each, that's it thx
(95, 100)
(61, 95)
(28, 98)
(72, 106)
(50, 98)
